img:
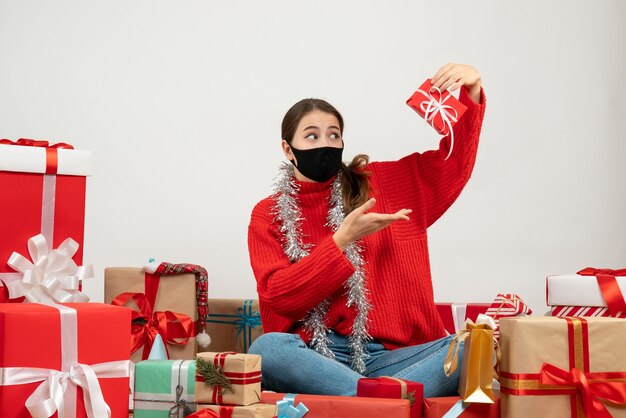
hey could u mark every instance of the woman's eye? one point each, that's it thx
(335, 136)
(311, 136)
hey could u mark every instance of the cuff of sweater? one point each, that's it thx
(337, 260)
(467, 100)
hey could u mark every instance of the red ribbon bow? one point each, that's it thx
(171, 325)
(35, 143)
(592, 385)
(52, 158)
(609, 287)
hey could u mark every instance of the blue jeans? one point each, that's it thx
(289, 365)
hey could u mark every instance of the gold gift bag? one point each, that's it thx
(476, 372)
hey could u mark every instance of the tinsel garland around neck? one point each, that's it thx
(289, 217)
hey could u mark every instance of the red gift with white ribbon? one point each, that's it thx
(43, 192)
(80, 369)
(439, 108)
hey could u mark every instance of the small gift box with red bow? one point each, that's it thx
(563, 367)
(228, 378)
(64, 360)
(43, 192)
(391, 387)
(590, 292)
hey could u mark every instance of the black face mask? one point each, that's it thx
(318, 164)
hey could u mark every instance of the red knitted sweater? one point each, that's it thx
(396, 258)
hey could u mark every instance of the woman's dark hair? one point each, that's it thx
(354, 184)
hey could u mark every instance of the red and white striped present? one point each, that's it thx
(506, 305)
(584, 311)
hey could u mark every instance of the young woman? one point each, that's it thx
(340, 253)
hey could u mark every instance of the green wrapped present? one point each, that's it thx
(164, 388)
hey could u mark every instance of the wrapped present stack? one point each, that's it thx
(84, 369)
(590, 292)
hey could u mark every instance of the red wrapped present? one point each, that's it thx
(43, 190)
(438, 407)
(72, 356)
(321, 406)
(590, 292)
(391, 387)
(506, 305)
(439, 108)
(454, 315)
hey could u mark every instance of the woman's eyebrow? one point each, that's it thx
(311, 127)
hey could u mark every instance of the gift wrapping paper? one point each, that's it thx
(454, 315)
(584, 311)
(233, 324)
(562, 367)
(322, 406)
(589, 288)
(243, 372)
(438, 407)
(257, 410)
(174, 293)
(43, 192)
(164, 387)
(42, 346)
(391, 387)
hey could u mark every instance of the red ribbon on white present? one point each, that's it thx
(52, 276)
(611, 293)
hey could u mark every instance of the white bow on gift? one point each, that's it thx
(435, 105)
(52, 276)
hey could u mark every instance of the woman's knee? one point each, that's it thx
(274, 341)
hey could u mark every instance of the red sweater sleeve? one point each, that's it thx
(292, 289)
(427, 182)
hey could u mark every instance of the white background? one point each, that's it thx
(181, 104)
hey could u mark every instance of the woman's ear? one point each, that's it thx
(287, 151)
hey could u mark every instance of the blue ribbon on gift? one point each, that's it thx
(456, 410)
(245, 320)
(286, 408)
